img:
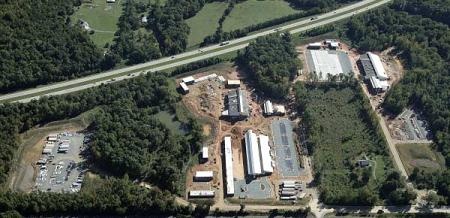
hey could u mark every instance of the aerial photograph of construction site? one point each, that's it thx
(239, 108)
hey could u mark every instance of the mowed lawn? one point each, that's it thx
(421, 156)
(253, 12)
(101, 17)
(205, 22)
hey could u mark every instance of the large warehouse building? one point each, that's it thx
(237, 104)
(259, 161)
(328, 62)
(374, 72)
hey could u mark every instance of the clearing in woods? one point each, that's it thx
(22, 177)
(205, 22)
(421, 156)
(254, 12)
(102, 17)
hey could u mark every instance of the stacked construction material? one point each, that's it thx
(291, 190)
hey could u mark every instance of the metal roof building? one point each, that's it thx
(237, 104)
(266, 159)
(378, 66)
(327, 62)
(252, 153)
(378, 85)
(229, 165)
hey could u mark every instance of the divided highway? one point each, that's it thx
(186, 57)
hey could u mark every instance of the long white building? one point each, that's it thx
(378, 66)
(229, 166)
(266, 160)
(253, 154)
(259, 161)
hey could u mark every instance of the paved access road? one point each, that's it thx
(187, 57)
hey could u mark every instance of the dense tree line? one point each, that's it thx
(341, 130)
(106, 197)
(168, 23)
(39, 45)
(424, 46)
(302, 4)
(438, 10)
(272, 63)
(131, 43)
(132, 141)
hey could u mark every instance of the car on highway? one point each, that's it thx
(224, 43)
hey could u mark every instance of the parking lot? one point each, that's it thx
(60, 168)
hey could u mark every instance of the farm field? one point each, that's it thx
(205, 22)
(102, 17)
(253, 12)
(420, 156)
(339, 137)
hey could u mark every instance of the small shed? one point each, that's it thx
(188, 80)
(204, 175)
(184, 88)
(233, 83)
(205, 152)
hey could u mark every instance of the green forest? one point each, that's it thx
(120, 142)
(272, 63)
(38, 45)
(341, 130)
(421, 38)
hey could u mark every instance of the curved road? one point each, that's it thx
(187, 57)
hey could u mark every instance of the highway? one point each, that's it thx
(186, 57)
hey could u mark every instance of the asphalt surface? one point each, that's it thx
(187, 57)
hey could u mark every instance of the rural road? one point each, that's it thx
(187, 57)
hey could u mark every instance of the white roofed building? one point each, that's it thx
(268, 108)
(259, 161)
(184, 88)
(229, 166)
(252, 154)
(266, 159)
(205, 152)
(233, 83)
(204, 175)
(378, 66)
(188, 80)
(201, 193)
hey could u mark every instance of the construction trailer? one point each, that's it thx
(52, 137)
(233, 83)
(268, 108)
(315, 45)
(201, 194)
(205, 153)
(203, 175)
(228, 166)
(188, 80)
(184, 88)
(47, 151)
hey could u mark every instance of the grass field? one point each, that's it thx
(421, 156)
(205, 22)
(253, 12)
(101, 17)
